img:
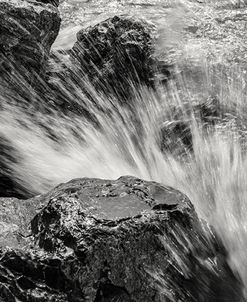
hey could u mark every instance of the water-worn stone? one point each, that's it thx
(28, 29)
(123, 240)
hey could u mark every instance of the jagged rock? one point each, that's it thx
(123, 240)
(189, 31)
(114, 56)
(114, 48)
(117, 52)
(28, 30)
(15, 217)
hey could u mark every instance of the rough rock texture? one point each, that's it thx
(28, 30)
(206, 40)
(100, 240)
(114, 44)
(116, 52)
(115, 56)
(188, 29)
(15, 217)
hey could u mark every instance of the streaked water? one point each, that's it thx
(214, 177)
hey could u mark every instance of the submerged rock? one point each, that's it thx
(176, 137)
(176, 134)
(28, 29)
(123, 240)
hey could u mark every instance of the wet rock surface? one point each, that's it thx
(189, 30)
(113, 55)
(116, 51)
(28, 29)
(91, 239)
(101, 240)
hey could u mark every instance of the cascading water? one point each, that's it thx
(213, 177)
(55, 147)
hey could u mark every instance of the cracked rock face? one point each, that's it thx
(28, 29)
(101, 240)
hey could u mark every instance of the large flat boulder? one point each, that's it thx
(105, 240)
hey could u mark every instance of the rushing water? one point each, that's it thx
(214, 177)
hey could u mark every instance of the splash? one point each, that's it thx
(54, 147)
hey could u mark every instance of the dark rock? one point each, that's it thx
(209, 112)
(28, 30)
(99, 240)
(66, 85)
(117, 52)
(176, 137)
(9, 186)
(176, 134)
(115, 57)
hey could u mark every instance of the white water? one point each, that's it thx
(214, 178)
